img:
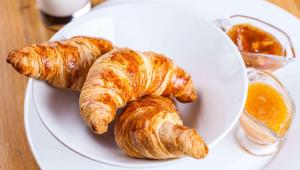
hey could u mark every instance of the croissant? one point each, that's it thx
(151, 128)
(63, 64)
(124, 75)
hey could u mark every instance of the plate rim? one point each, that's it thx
(26, 120)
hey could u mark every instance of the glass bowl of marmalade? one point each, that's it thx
(262, 45)
(267, 116)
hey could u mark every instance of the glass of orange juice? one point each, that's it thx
(268, 113)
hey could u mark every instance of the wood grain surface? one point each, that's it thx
(20, 25)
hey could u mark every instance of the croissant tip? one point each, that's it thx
(187, 99)
(201, 149)
(10, 57)
(8, 60)
(98, 129)
(15, 60)
(205, 152)
(188, 96)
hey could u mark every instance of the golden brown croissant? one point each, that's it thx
(63, 64)
(151, 128)
(124, 75)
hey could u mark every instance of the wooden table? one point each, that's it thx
(20, 25)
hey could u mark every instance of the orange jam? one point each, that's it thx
(268, 106)
(252, 39)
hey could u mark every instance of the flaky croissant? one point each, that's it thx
(124, 75)
(63, 64)
(151, 128)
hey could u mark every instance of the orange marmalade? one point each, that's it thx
(252, 39)
(268, 106)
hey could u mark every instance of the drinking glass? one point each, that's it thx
(56, 13)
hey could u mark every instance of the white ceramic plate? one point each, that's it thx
(201, 49)
(50, 154)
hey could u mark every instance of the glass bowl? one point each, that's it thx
(255, 136)
(265, 62)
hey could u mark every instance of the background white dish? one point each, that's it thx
(204, 52)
